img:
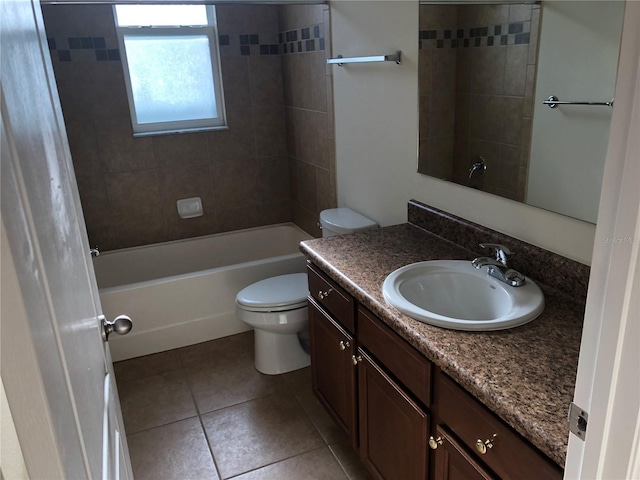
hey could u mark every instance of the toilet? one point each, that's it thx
(277, 308)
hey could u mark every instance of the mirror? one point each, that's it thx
(484, 71)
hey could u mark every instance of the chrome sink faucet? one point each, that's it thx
(498, 266)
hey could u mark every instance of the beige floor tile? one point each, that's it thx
(315, 465)
(299, 382)
(257, 433)
(155, 401)
(221, 349)
(221, 373)
(350, 461)
(175, 451)
(147, 366)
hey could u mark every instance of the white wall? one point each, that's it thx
(376, 115)
(579, 45)
(11, 459)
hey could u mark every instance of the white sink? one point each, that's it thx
(453, 294)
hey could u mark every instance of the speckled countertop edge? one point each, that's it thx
(526, 375)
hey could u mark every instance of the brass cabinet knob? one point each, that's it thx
(343, 345)
(434, 443)
(482, 447)
(322, 295)
(356, 359)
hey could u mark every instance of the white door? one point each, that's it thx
(47, 239)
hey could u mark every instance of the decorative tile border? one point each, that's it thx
(517, 33)
(249, 40)
(82, 49)
(302, 40)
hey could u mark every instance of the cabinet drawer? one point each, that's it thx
(331, 297)
(401, 359)
(510, 455)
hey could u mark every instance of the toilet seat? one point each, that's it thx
(275, 294)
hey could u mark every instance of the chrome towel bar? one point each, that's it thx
(553, 102)
(394, 57)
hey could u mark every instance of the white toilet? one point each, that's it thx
(277, 309)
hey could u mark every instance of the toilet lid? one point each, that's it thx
(285, 292)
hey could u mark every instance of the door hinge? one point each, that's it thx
(578, 421)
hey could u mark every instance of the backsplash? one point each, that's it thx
(556, 271)
(129, 186)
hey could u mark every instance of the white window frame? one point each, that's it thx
(181, 126)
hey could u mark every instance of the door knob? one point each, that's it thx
(121, 325)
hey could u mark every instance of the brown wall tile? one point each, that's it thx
(243, 174)
(134, 196)
(265, 72)
(235, 182)
(270, 131)
(307, 187)
(273, 173)
(236, 83)
(515, 73)
(181, 150)
(119, 150)
(238, 141)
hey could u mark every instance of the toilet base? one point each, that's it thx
(277, 353)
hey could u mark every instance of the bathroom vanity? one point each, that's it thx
(418, 401)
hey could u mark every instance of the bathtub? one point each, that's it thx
(183, 292)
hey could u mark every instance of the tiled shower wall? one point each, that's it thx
(129, 186)
(308, 102)
(477, 73)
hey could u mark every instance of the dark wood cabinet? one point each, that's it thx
(490, 440)
(332, 370)
(394, 429)
(453, 461)
(385, 394)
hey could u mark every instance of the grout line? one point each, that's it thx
(208, 440)
(276, 462)
(199, 415)
(129, 434)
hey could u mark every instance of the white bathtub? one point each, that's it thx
(183, 292)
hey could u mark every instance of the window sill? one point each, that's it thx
(182, 130)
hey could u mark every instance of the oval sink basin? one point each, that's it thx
(453, 294)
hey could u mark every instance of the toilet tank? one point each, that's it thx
(337, 221)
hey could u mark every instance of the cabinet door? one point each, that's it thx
(332, 370)
(452, 462)
(393, 428)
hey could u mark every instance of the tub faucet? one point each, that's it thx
(479, 166)
(498, 266)
(94, 252)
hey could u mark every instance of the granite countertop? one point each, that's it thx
(526, 375)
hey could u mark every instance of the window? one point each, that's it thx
(172, 69)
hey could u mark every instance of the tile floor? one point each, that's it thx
(203, 411)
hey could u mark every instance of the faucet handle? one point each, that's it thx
(501, 253)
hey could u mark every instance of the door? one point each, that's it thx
(393, 427)
(49, 247)
(332, 371)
